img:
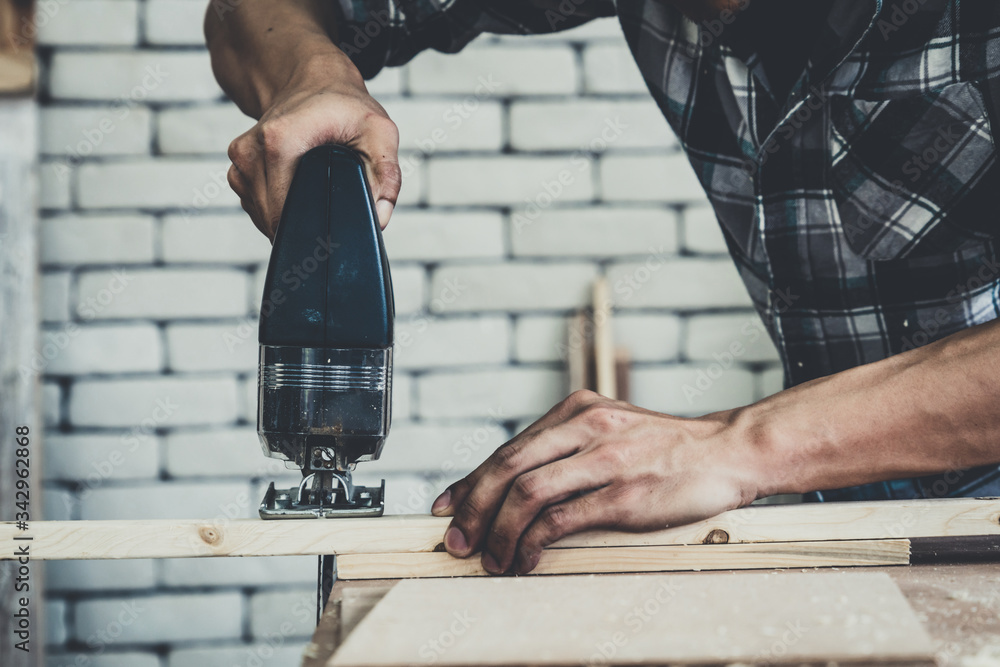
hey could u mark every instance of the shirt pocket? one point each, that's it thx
(912, 176)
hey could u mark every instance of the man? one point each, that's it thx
(847, 148)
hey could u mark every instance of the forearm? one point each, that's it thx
(925, 411)
(259, 46)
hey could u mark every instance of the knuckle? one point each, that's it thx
(528, 489)
(273, 138)
(383, 126)
(470, 511)
(601, 417)
(506, 459)
(555, 522)
(239, 153)
(581, 398)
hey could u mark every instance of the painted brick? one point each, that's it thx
(97, 239)
(94, 22)
(515, 286)
(202, 128)
(604, 29)
(430, 342)
(215, 500)
(53, 185)
(743, 336)
(96, 458)
(175, 22)
(589, 125)
(209, 347)
(51, 404)
(271, 571)
(213, 238)
(388, 82)
(287, 613)
(402, 396)
(108, 659)
(539, 337)
(164, 618)
(80, 132)
(191, 185)
(595, 232)
(488, 71)
(217, 453)
(610, 68)
(157, 402)
(438, 449)
(55, 289)
(648, 337)
(56, 631)
(76, 576)
(770, 382)
(506, 180)
(162, 293)
(661, 178)
(413, 191)
(83, 349)
(702, 233)
(430, 126)
(409, 284)
(277, 651)
(133, 76)
(432, 236)
(513, 392)
(677, 283)
(59, 505)
(690, 390)
(409, 494)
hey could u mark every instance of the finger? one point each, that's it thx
(379, 145)
(475, 512)
(240, 186)
(451, 497)
(590, 511)
(530, 494)
(247, 174)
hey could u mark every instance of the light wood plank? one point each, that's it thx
(604, 347)
(54, 540)
(595, 560)
(712, 619)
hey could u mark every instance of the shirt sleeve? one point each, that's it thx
(385, 33)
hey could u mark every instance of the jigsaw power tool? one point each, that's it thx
(326, 326)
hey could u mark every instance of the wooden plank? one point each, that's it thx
(606, 382)
(712, 619)
(17, 47)
(18, 380)
(949, 600)
(808, 522)
(595, 560)
(578, 344)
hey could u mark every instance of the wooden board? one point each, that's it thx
(17, 47)
(764, 555)
(19, 314)
(711, 619)
(54, 540)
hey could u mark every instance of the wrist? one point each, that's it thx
(749, 447)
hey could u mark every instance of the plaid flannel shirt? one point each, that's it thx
(861, 211)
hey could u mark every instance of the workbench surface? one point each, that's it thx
(959, 606)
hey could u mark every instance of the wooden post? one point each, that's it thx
(18, 322)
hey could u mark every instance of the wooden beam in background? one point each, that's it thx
(17, 47)
(810, 522)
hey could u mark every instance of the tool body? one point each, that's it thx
(326, 334)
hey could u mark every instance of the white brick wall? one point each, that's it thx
(531, 165)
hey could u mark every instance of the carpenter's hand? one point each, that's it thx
(595, 463)
(322, 103)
